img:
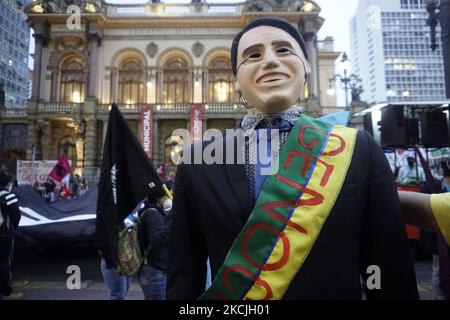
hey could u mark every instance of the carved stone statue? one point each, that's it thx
(260, 6)
(356, 93)
(59, 6)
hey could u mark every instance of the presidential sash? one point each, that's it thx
(289, 213)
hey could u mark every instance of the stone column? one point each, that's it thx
(46, 127)
(36, 86)
(205, 86)
(90, 149)
(151, 91)
(159, 85)
(311, 45)
(90, 136)
(102, 143)
(204, 121)
(198, 92)
(93, 45)
(54, 90)
(78, 134)
(113, 79)
(33, 131)
(156, 151)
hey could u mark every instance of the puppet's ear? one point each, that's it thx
(307, 68)
(237, 87)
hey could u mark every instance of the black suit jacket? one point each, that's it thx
(212, 203)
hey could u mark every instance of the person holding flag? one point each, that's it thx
(62, 170)
(125, 179)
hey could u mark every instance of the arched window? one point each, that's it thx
(131, 82)
(175, 83)
(220, 81)
(72, 82)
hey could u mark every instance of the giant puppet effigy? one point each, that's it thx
(325, 215)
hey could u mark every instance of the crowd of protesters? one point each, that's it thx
(49, 190)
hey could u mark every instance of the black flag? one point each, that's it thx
(125, 176)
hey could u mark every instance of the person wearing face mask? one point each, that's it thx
(167, 204)
(9, 222)
(328, 214)
(153, 236)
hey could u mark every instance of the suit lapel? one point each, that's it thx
(237, 179)
(239, 185)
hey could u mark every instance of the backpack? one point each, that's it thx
(129, 254)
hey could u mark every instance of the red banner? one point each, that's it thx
(147, 130)
(196, 122)
(61, 169)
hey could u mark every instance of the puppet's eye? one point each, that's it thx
(283, 50)
(255, 55)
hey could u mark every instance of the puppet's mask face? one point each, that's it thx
(271, 69)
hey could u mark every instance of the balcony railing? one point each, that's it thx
(207, 108)
(76, 108)
(163, 108)
(222, 107)
(173, 9)
(222, 9)
(172, 108)
(124, 108)
(13, 113)
(61, 107)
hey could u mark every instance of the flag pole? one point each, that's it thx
(168, 193)
(33, 156)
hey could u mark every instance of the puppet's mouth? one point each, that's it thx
(272, 78)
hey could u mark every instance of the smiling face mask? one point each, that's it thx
(271, 70)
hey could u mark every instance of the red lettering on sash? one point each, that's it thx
(246, 273)
(316, 199)
(301, 137)
(313, 142)
(261, 226)
(269, 206)
(308, 159)
(235, 269)
(339, 149)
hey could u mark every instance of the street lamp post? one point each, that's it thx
(348, 82)
(443, 16)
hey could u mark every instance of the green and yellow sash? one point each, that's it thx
(289, 214)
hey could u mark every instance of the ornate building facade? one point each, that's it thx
(171, 59)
